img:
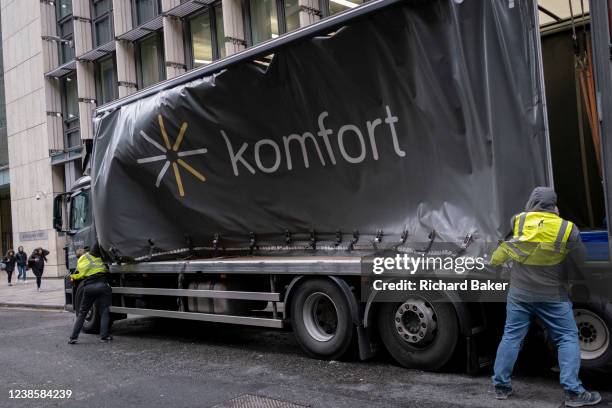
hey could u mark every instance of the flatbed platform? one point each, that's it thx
(312, 265)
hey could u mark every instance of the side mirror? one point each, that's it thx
(59, 208)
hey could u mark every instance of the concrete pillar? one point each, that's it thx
(310, 12)
(50, 48)
(83, 40)
(174, 49)
(233, 26)
(169, 4)
(126, 68)
(53, 103)
(122, 16)
(86, 90)
(126, 63)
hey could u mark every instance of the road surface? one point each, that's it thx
(161, 363)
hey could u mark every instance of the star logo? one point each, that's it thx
(172, 156)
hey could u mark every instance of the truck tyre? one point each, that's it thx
(92, 320)
(594, 323)
(419, 332)
(321, 319)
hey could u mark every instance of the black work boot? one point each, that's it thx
(72, 341)
(584, 399)
(106, 339)
(502, 393)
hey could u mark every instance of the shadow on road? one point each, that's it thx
(534, 363)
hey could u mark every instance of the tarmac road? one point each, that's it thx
(162, 363)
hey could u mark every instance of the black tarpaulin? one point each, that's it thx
(422, 117)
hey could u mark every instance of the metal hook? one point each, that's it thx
(432, 237)
(216, 242)
(151, 247)
(253, 242)
(351, 244)
(404, 236)
(338, 238)
(313, 239)
(379, 235)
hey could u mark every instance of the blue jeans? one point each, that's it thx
(558, 318)
(22, 272)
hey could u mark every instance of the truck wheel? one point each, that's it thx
(321, 319)
(92, 320)
(419, 333)
(594, 328)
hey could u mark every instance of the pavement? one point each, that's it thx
(163, 363)
(51, 295)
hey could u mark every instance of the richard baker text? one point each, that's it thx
(474, 285)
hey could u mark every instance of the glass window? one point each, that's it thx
(145, 10)
(264, 20)
(219, 30)
(72, 135)
(106, 82)
(207, 38)
(64, 8)
(102, 22)
(101, 7)
(102, 31)
(80, 211)
(336, 6)
(201, 39)
(292, 15)
(65, 30)
(67, 46)
(150, 54)
(70, 111)
(71, 100)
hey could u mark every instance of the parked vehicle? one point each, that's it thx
(255, 189)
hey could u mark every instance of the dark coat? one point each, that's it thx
(36, 262)
(22, 258)
(9, 261)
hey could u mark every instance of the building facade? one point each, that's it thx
(6, 235)
(63, 58)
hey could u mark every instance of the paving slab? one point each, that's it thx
(24, 294)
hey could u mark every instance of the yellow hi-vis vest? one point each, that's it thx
(539, 238)
(88, 265)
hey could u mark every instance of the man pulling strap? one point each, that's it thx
(93, 271)
(542, 247)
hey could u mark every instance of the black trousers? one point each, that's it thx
(10, 275)
(38, 275)
(101, 293)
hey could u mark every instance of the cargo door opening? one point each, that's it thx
(571, 104)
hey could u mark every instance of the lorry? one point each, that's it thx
(255, 190)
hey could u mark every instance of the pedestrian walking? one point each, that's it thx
(9, 264)
(36, 262)
(542, 248)
(92, 270)
(22, 263)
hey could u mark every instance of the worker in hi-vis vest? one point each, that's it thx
(542, 248)
(93, 271)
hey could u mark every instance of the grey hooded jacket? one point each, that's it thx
(546, 283)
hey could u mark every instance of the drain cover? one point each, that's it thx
(257, 401)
